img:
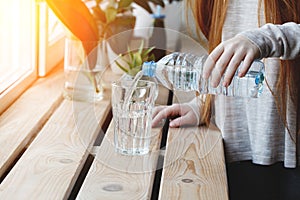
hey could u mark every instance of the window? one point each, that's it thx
(31, 44)
(51, 40)
(17, 49)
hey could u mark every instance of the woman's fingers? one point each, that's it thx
(211, 60)
(180, 114)
(220, 67)
(245, 66)
(157, 118)
(187, 119)
(157, 109)
(163, 112)
(232, 68)
(253, 53)
(226, 58)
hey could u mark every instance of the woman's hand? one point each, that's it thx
(226, 58)
(181, 115)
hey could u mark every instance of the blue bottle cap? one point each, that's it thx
(149, 68)
(259, 78)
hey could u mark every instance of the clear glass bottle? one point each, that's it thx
(183, 71)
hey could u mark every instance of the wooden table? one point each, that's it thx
(59, 149)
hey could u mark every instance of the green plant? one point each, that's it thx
(114, 7)
(131, 61)
(91, 20)
(107, 12)
(94, 23)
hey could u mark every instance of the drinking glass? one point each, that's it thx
(132, 116)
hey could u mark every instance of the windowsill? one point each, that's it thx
(21, 122)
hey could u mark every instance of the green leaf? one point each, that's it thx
(121, 67)
(110, 14)
(151, 57)
(130, 53)
(124, 3)
(74, 12)
(147, 51)
(141, 47)
(138, 59)
(134, 59)
(129, 63)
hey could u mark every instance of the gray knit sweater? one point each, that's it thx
(252, 128)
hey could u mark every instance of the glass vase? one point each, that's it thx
(84, 65)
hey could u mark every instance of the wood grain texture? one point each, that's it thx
(22, 120)
(51, 164)
(163, 95)
(194, 165)
(116, 176)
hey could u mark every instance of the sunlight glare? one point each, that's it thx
(16, 27)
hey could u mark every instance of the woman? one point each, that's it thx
(257, 132)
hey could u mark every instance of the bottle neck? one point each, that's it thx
(149, 68)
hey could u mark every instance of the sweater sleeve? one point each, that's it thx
(195, 106)
(276, 40)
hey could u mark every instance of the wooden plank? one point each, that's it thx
(194, 165)
(115, 176)
(22, 120)
(51, 164)
(163, 95)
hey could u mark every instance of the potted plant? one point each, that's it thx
(91, 20)
(116, 20)
(97, 20)
(94, 19)
(131, 62)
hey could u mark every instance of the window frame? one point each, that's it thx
(46, 55)
(51, 52)
(14, 88)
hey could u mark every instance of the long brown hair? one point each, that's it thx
(210, 16)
